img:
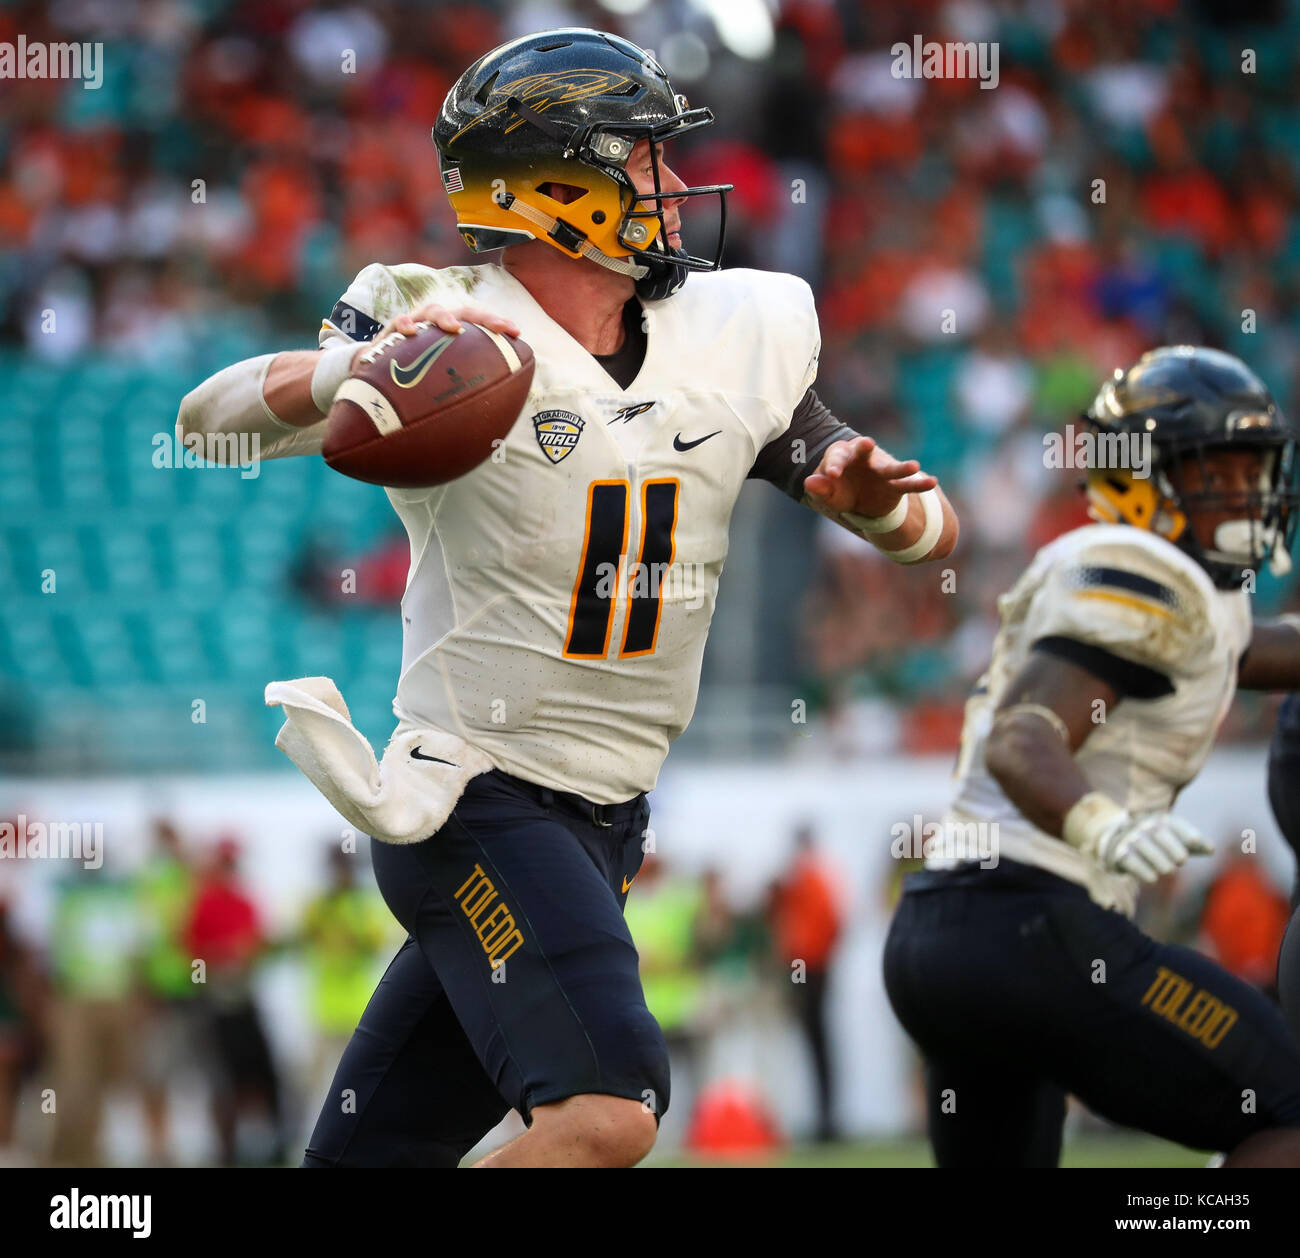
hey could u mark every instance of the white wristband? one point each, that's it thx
(877, 523)
(1091, 814)
(929, 535)
(1039, 710)
(334, 367)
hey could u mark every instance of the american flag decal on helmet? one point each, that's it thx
(451, 179)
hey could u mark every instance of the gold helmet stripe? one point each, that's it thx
(1128, 600)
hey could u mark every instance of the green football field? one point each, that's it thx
(1121, 1150)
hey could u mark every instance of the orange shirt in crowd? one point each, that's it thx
(807, 916)
(1245, 918)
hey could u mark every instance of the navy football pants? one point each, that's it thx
(517, 985)
(1019, 989)
(1284, 796)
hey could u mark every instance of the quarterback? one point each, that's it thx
(1118, 656)
(653, 400)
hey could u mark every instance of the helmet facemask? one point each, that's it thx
(643, 228)
(1261, 521)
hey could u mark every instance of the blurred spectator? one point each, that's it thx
(20, 1025)
(663, 914)
(344, 932)
(806, 929)
(224, 932)
(378, 577)
(94, 950)
(165, 886)
(718, 938)
(734, 947)
(24, 1000)
(1244, 919)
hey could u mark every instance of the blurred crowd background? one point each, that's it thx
(1131, 181)
(212, 199)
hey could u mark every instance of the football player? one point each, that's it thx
(1284, 796)
(653, 400)
(1118, 655)
(1284, 781)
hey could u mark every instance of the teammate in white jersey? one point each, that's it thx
(1015, 967)
(651, 405)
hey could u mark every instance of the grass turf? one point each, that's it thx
(1121, 1150)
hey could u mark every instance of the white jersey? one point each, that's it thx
(1140, 598)
(560, 594)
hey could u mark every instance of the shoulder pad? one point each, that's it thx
(788, 332)
(379, 292)
(363, 309)
(1144, 602)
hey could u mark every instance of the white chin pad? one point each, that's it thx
(1235, 541)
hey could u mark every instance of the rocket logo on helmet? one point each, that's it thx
(568, 107)
(541, 91)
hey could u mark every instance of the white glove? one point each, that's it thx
(1145, 847)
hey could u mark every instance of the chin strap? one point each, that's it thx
(570, 238)
(661, 281)
(654, 282)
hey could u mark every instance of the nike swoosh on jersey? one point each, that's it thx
(409, 376)
(627, 882)
(683, 446)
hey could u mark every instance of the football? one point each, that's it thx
(422, 410)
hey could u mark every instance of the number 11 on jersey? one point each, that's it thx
(604, 545)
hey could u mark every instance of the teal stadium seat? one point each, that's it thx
(106, 647)
(31, 652)
(171, 584)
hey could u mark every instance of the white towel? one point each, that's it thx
(404, 799)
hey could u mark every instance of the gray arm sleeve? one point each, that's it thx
(790, 458)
